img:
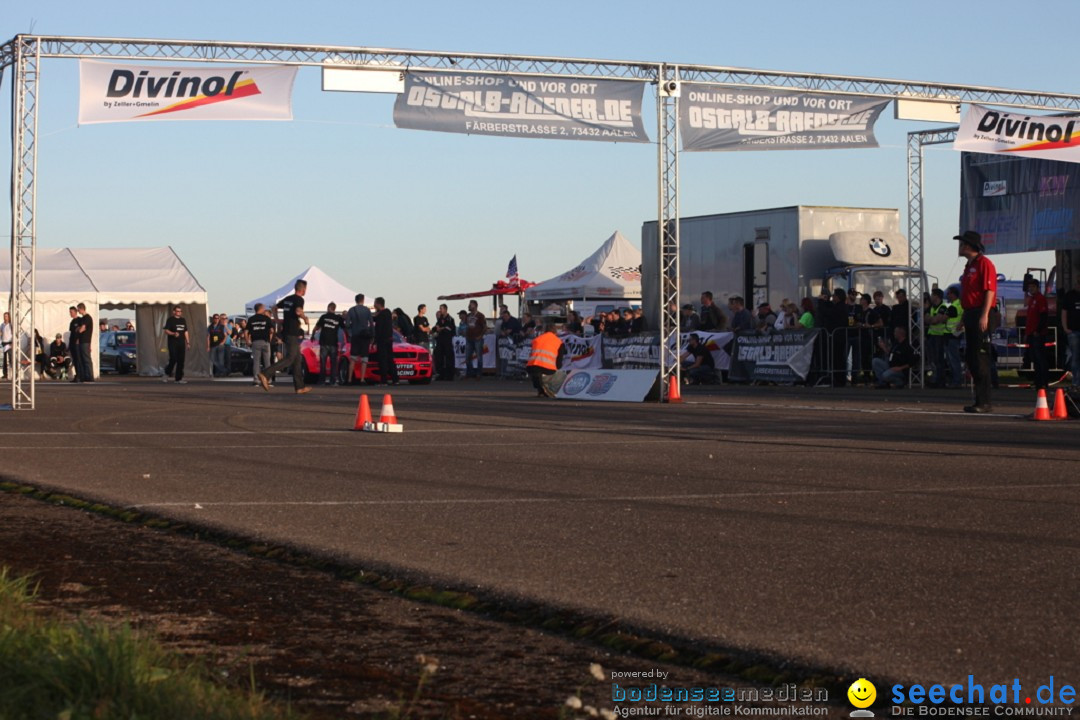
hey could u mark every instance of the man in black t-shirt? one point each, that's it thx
(1070, 324)
(293, 307)
(176, 330)
(702, 366)
(384, 343)
(893, 372)
(73, 344)
(259, 335)
(421, 327)
(327, 326)
(900, 313)
(445, 330)
(86, 336)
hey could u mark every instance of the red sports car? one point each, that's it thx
(413, 361)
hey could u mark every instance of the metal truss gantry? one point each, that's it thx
(23, 54)
(916, 142)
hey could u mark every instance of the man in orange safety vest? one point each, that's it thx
(545, 359)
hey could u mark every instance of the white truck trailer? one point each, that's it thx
(788, 252)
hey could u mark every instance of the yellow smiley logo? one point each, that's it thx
(862, 693)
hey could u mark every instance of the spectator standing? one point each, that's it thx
(215, 345)
(178, 340)
(1070, 324)
(881, 316)
(689, 321)
(445, 329)
(806, 319)
(462, 325)
(86, 337)
(766, 318)
(328, 325)
(954, 330)
(834, 319)
(741, 320)
(978, 292)
(900, 313)
(73, 344)
(293, 307)
(1035, 326)
(936, 330)
(475, 328)
(711, 317)
(360, 329)
(384, 343)
(259, 335)
(528, 325)
(421, 327)
(573, 325)
(6, 336)
(402, 323)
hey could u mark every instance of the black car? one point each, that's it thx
(239, 360)
(117, 351)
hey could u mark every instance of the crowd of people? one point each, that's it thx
(865, 339)
(57, 360)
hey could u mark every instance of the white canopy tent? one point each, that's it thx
(321, 291)
(153, 280)
(613, 272)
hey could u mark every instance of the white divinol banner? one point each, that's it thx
(608, 385)
(522, 106)
(109, 92)
(716, 117)
(1050, 137)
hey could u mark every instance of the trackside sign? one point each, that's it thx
(522, 106)
(109, 92)
(1049, 137)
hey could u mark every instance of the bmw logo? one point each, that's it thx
(879, 247)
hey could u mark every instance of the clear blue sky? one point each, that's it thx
(411, 215)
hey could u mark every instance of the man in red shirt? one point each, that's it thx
(978, 292)
(1035, 333)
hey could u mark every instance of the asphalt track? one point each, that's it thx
(879, 532)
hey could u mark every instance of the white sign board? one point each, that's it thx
(608, 385)
(353, 79)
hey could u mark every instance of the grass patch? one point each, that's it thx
(54, 669)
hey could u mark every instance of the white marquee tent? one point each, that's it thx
(612, 272)
(152, 280)
(321, 291)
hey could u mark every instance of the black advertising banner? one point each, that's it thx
(774, 357)
(717, 117)
(522, 106)
(1020, 204)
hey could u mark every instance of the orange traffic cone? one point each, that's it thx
(363, 414)
(1042, 410)
(1060, 411)
(673, 394)
(387, 419)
